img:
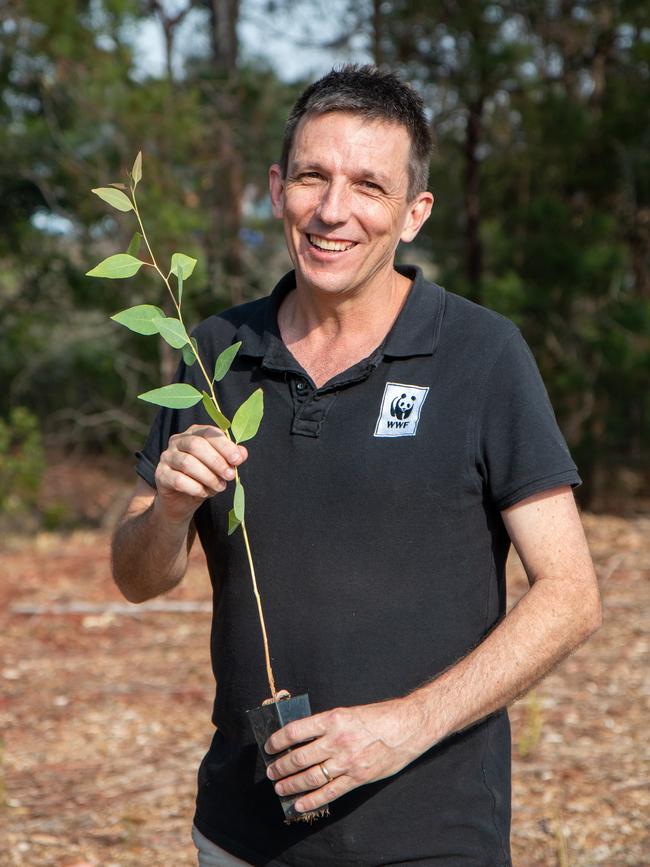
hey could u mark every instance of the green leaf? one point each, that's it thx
(177, 396)
(182, 264)
(239, 501)
(141, 318)
(173, 331)
(118, 266)
(116, 198)
(189, 357)
(233, 522)
(134, 244)
(246, 421)
(179, 277)
(217, 417)
(222, 364)
(136, 171)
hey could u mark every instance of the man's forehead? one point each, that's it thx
(376, 145)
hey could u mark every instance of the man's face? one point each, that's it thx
(344, 201)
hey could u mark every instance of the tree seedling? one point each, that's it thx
(148, 319)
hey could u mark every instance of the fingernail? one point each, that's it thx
(270, 773)
(229, 473)
(279, 789)
(299, 806)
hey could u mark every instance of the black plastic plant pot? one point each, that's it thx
(269, 718)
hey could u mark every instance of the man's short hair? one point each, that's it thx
(377, 95)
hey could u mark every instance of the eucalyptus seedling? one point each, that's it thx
(148, 319)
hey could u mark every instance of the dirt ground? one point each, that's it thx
(105, 712)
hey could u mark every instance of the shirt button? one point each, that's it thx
(300, 385)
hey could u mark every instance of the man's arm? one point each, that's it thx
(561, 609)
(153, 539)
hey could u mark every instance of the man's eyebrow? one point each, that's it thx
(364, 174)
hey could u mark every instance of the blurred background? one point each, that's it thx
(541, 116)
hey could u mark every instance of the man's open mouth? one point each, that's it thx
(329, 244)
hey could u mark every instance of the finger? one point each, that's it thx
(297, 760)
(325, 795)
(218, 456)
(170, 481)
(296, 732)
(234, 454)
(312, 778)
(189, 465)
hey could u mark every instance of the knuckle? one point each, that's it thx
(177, 482)
(315, 779)
(292, 732)
(337, 716)
(183, 461)
(299, 760)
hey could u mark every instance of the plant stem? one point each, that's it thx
(210, 384)
(267, 655)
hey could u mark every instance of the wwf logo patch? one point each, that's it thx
(400, 410)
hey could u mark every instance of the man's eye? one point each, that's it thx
(311, 176)
(372, 186)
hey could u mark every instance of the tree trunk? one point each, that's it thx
(225, 254)
(377, 48)
(473, 245)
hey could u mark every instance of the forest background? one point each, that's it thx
(541, 117)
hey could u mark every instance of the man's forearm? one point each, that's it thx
(542, 629)
(149, 553)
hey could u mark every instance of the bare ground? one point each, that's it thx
(105, 716)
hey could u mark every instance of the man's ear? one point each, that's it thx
(276, 188)
(418, 214)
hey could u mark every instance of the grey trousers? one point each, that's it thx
(211, 855)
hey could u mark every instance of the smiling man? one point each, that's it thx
(407, 440)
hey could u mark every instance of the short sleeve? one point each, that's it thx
(520, 449)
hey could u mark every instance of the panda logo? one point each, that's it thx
(402, 406)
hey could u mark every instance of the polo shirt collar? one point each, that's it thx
(416, 330)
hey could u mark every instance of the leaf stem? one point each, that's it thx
(213, 396)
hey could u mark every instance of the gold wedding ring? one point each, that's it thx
(326, 773)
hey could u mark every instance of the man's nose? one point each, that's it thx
(334, 205)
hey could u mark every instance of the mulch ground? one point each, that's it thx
(105, 716)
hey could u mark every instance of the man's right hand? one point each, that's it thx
(196, 464)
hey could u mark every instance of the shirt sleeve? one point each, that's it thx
(520, 449)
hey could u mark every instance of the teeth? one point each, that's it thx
(326, 244)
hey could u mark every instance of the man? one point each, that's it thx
(407, 439)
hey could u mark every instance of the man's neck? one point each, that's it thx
(328, 334)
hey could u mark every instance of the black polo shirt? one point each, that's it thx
(373, 508)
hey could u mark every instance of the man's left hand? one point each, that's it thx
(348, 747)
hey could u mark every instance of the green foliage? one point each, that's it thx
(134, 244)
(143, 318)
(22, 461)
(233, 522)
(136, 171)
(239, 501)
(246, 420)
(183, 265)
(561, 94)
(190, 352)
(215, 414)
(177, 396)
(116, 198)
(116, 267)
(224, 361)
(173, 331)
